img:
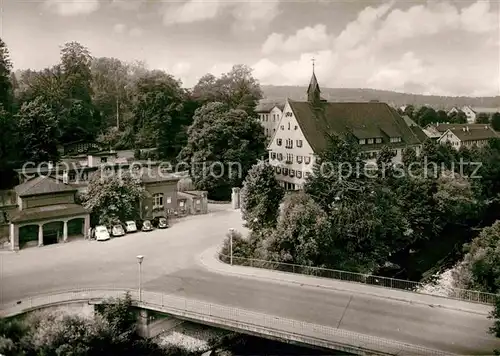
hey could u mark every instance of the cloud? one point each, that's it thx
(119, 28)
(434, 48)
(129, 5)
(72, 7)
(306, 39)
(247, 15)
(136, 32)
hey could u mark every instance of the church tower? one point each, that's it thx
(313, 91)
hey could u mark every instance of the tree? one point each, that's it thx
(238, 89)
(457, 117)
(261, 196)
(425, 116)
(6, 90)
(495, 121)
(409, 111)
(159, 115)
(303, 233)
(442, 116)
(39, 139)
(76, 63)
(408, 156)
(114, 196)
(222, 146)
(482, 118)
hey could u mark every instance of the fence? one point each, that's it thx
(238, 319)
(410, 286)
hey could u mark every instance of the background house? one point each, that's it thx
(269, 115)
(473, 112)
(468, 137)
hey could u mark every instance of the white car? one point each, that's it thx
(101, 233)
(130, 226)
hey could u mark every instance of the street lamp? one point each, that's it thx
(139, 260)
(231, 231)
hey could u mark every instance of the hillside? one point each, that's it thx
(272, 92)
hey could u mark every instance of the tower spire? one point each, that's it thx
(313, 91)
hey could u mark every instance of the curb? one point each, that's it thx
(226, 271)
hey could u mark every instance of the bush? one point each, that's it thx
(242, 249)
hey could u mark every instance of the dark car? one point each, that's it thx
(147, 226)
(160, 222)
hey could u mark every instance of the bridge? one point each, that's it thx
(180, 278)
(236, 319)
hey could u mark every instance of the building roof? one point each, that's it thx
(409, 121)
(419, 132)
(444, 127)
(364, 120)
(42, 185)
(155, 174)
(47, 212)
(266, 106)
(474, 135)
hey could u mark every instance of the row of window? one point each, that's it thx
(289, 127)
(289, 158)
(371, 141)
(292, 172)
(265, 117)
(288, 143)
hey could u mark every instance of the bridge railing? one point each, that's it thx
(236, 318)
(393, 283)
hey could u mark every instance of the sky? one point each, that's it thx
(422, 47)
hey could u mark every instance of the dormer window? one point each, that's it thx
(362, 141)
(370, 141)
(395, 139)
(378, 140)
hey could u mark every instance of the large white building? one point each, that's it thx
(304, 128)
(473, 112)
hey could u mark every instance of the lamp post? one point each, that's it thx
(231, 231)
(139, 260)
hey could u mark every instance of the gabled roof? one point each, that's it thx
(47, 212)
(474, 135)
(267, 106)
(364, 120)
(42, 185)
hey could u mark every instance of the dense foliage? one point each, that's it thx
(113, 196)
(223, 144)
(111, 332)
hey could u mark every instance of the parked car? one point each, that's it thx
(147, 226)
(101, 233)
(130, 226)
(117, 230)
(160, 222)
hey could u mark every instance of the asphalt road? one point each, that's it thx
(170, 266)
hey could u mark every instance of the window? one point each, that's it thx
(299, 143)
(267, 131)
(288, 114)
(104, 159)
(278, 170)
(299, 174)
(282, 127)
(289, 143)
(169, 200)
(370, 141)
(72, 176)
(285, 171)
(289, 126)
(296, 127)
(274, 130)
(292, 173)
(289, 158)
(299, 159)
(181, 203)
(279, 141)
(307, 160)
(362, 141)
(158, 200)
(273, 155)
(378, 140)
(280, 156)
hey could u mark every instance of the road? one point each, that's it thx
(171, 266)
